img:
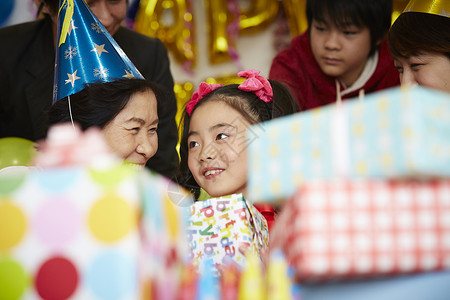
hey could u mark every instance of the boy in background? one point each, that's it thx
(344, 49)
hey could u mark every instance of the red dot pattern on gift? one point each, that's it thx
(56, 279)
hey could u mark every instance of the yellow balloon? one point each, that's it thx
(183, 92)
(256, 16)
(172, 22)
(225, 79)
(296, 16)
(219, 40)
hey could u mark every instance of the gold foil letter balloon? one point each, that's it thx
(296, 16)
(257, 15)
(227, 18)
(172, 22)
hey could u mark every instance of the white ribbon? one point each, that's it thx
(340, 150)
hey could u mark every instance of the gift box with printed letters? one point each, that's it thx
(395, 133)
(87, 233)
(354, 229)
(225, 227)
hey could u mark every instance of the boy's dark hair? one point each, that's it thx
(99, 103)
(252, 108)
(373, 14)
(414, 32)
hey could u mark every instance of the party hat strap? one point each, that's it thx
(70, 111)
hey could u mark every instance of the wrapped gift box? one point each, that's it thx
(351, 229)
(394, 133)
(225, 227)
(85, 233)
(412, 287)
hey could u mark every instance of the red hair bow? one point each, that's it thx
(203, 90)
(259, 85)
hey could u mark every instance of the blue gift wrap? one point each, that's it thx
(395, 133)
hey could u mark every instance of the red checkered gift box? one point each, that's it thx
(347, 229)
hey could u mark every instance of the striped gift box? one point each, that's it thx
(349, 229)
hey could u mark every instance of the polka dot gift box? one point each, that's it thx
(84, 233)
(364, 228)
(395, 133)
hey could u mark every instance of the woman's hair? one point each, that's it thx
(252, 108)
(414, 33)
(99, 103)
(373, 14)
(53, 6)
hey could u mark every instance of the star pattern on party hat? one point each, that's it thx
(99, 49)
(72, 77)
(86, 52)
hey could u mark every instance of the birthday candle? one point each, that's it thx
(229, 279)
(279, 283)
(208, 283)
(188, 283)
(252, 285)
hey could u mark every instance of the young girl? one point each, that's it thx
(213, 145)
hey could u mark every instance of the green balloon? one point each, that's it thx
(15, 151)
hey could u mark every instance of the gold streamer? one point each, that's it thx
(67, 20)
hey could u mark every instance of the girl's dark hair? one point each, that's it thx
(373, 14)
(253, 109)
(99, 103)
(414, 33)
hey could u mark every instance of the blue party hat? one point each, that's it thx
(86, 52)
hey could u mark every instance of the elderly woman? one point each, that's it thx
(420, 45)
(125, 110)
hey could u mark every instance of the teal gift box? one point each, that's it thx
(395, 133)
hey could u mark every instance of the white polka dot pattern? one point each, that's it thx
(86, 231)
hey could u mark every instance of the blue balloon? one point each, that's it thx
(6, 7)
